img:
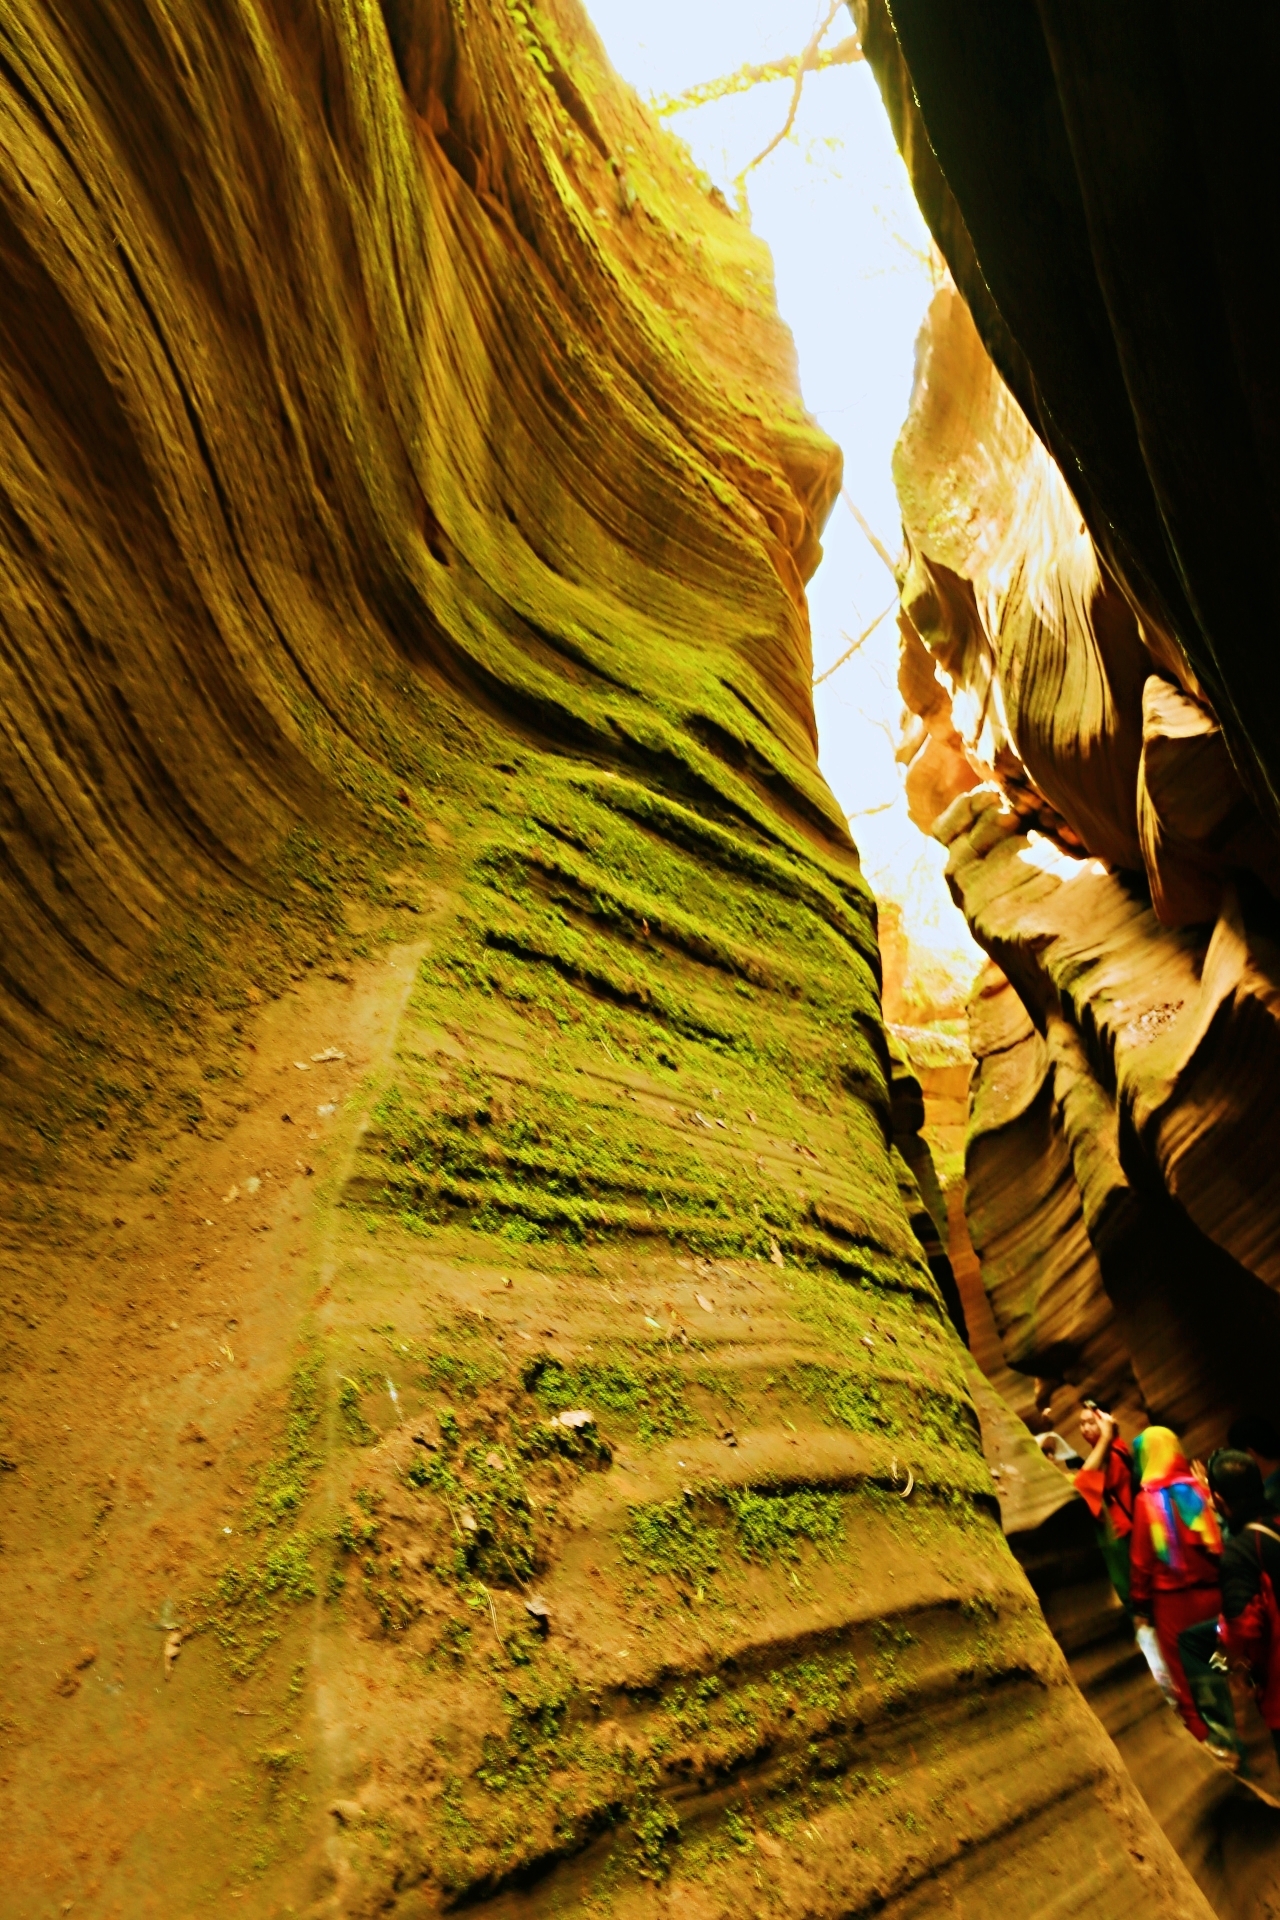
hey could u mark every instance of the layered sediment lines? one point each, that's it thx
(1119, 1165)
(482, 1426)
(1119, 1168)
(354, 383)
(1089, 730)
(1157, 1051)
(1072, 172)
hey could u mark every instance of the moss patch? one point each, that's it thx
(686, 1538)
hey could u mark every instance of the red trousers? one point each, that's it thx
(1172, 1611)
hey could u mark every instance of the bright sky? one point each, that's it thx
(851, 259)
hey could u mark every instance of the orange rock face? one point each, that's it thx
(1162, 1049)
(1025, 1210)
(1040, 661)
(1117, 874)
(1120, 1194)
(481, 1427)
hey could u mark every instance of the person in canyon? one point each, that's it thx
(1257, 1436)
(1174, 1550)
(1060, 1451)
(1249, 1626)
(1106, 1483)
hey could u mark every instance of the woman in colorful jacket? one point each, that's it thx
(1173, 1555)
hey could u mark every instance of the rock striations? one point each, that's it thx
(1092, 178)
(480, 1426)
(1120, 1184)
(1110, 864)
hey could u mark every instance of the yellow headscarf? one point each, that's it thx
(1158, 1456)
(1158, 1453)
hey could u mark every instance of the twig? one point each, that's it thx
(843, 54)
(492, 1611)
(870, 532)
(808, 60)
(853, 646)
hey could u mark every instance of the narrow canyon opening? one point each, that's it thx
(639, 877)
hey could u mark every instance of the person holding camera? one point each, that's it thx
(1106, 1483)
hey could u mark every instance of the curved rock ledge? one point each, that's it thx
(1180, 1034)
(1120, 1148)
(469, 1346)
(1120, 1188)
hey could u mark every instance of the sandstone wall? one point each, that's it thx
(1086, 175)
(1118, 1183)
(480, 1427)
(1089, 684)
(1119, 1160)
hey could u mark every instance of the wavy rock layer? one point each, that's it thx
(1003, 589)
(1120, 1138)
(1119, 1177)
(1074, 167)
(1162, 1109)
(469, 1343)
(310, 349)
(1038, 1261)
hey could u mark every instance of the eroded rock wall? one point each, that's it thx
(1163, 1133)
(1119, 1160)
(1089, 730)
(1076, 168)
(468, 1342)
(320, 429)
(1026, 1212)
(1120, 1156)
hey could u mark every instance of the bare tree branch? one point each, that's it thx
(808, 61)
(871, 534)
(843, 54)
(853, 646)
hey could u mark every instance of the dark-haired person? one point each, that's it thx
(1173, 1556)
(1255, 1435)
(1249, 1629)
(1106, 1484)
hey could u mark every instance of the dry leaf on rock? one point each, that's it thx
(538, 1610)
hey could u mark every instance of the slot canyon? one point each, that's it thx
(522, 1339)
